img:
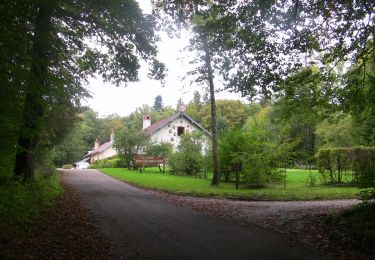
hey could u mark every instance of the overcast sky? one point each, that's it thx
(108, 99)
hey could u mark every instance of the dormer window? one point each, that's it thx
(180, 130)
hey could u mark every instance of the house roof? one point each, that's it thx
(84, 160)
(101, 148)
(159, 124)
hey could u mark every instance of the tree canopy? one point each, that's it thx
(50, 48)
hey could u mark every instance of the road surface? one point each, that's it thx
(142, 226)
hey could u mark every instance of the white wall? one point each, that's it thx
(168, 133)
(105, 154)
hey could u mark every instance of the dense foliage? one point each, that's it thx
(49, 49)
(256, 148)
(130, 142)
(20, 203)
(188, 159)
(356, 163)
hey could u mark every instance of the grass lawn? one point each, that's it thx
(296, 188)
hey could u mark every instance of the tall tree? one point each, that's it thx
(274, 38)
(197, 100)
(56, 58)
(358, 96)
(209, 30)
(158, 103)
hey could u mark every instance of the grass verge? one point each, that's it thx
(296, 188)
(20, 203)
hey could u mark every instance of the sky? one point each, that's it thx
(108, 99)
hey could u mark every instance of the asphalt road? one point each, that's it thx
(142, 226)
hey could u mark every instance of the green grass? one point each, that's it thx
(20, 203)
(296, 188)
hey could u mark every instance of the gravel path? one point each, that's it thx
(303, 221)
(146, 225)
(68, 231)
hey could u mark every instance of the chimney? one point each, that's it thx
(96, 145)
(146, 121)
(112, 138)
(182, 107)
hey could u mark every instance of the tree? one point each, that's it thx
(180, 104)
(230, 114)
(159, 149)
(52, 58)
(158, 103)
(358, 96)
(130, 142)
(303, 101)
(210, 30)
(274, 38)
(197, 100)
(335, 132)
(189, 158)
(72, 148)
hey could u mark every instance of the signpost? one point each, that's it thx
(237, 168)
(145, 161)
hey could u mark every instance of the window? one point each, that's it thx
(180, 130)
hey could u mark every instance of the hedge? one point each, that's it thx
(109, 163)
(357, 163)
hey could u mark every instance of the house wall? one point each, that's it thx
(168, 133)
(104, 154)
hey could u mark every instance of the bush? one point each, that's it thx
(188, 159)
(360, 222)
(311, 180)
(366, 182)
(67, 166)
(109, 163)
(359, 162)
(159, 149)
(20, 202)
(255, 150)
(116, 163)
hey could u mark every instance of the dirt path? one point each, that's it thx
(143, 226)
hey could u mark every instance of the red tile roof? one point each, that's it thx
(157, 125)
(101, 148)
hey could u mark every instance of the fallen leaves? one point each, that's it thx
(67, 231)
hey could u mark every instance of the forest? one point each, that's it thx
(305, 68)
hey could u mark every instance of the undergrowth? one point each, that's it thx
(21, 202)
(360, 221)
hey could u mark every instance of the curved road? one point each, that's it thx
(145, 227)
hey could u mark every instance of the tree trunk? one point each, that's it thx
(33, 105)
(215, 138)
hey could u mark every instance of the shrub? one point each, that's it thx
(366, 182)
(159, 149)
(188, 159)
(359, 221)
(340, 163)
(311, 180)
(67, 166)
(115, 162)
(255, 150)
(358, 161)
(20, 202)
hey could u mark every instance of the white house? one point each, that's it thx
(170, 130)
(103, 151)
